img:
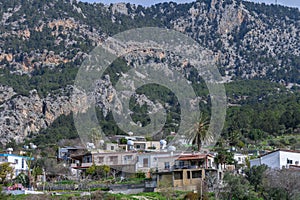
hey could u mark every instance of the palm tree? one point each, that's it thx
(199, 132)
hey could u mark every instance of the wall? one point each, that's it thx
(284, 156)
(277, 159)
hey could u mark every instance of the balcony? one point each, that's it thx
(86, 164)
(188, 167)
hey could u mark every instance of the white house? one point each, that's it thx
(278, 159)
(17, 162)
(240, 158)
(156, 161)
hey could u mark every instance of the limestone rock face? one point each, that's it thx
(22, 115)
(247, 40)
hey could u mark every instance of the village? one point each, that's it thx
(133, 164)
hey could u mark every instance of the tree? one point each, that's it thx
(97, 172)
(237, 187)
(23, 179)
(199, 132)
(5, 170)
(281, 184)
(224, 157)
(29, 165)
(255, 176)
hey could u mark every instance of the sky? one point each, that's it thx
(291, 3)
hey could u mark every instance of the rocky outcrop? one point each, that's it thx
(23, 115)
(247, 43)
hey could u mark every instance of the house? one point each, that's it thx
(64, 153)
(146, 145)
(137, 143)
(156, 161)
(188, 172)
(18, 163)
(278, 159)
(124, 162)
(111, 147)
(240, 158)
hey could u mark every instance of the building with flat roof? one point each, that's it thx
(278, 159)
(18, 163)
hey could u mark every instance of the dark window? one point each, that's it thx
(114, 159)
(145, 162)
(188, 174)
(88, 159)
(138, 146)
(16, 161)
(196, 174)
(112, 148)
(289, 161)
(167, 165)
(23, 162)
(101, 159)
(181, 164)
(178, 176)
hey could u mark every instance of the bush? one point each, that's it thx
(140, 174)
(192, 196)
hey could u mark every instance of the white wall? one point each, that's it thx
(277, 159)
(17, 162)
(271, 160)
(240, 158)
(284, 156)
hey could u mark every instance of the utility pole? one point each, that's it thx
(44, 179)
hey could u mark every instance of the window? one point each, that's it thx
(167, 165)
(145, 162)
(289, 161)
(100, 159)
(196, 174)
(129, 157)
(88, 159)
(23, 163)
(181, 164)
(178, 175)
(138, 146)
(112, 148)
(113, 159)
(188, 174)
(16, 161)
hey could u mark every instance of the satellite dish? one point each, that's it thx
(130, 143)
(101, 142)
(171, 148)
(163, 142)
(130, 133)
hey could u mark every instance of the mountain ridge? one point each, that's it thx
(42, 40)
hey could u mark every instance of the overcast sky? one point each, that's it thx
(292, 3)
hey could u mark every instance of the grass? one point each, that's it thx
(99, 195)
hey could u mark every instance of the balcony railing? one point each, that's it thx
(188, 167)
(86, 164)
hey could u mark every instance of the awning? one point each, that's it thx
(192, 157)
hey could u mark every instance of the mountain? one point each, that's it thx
(43, 43)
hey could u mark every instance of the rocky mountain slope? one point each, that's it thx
(42, 44)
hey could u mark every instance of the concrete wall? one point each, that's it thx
(255, 162)
(277, 159)
(284, 156)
